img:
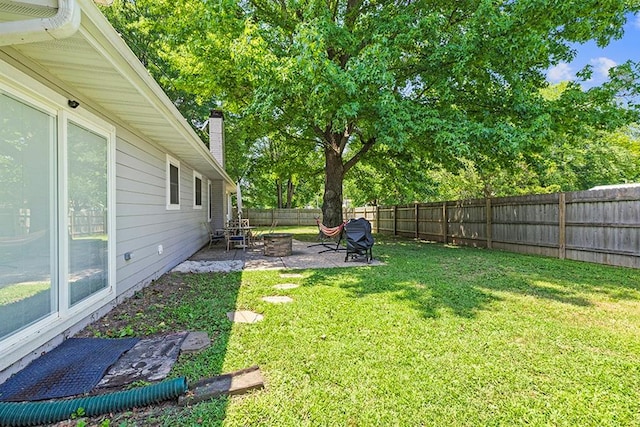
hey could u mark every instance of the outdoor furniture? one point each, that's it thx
(359, 239)
(238, 236)
(259, 235)
(214, 236)
(326, 235)
(235, 239)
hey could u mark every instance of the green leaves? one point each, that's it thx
(453, 83)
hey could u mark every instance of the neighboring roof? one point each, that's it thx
(96, 64)
(615, 186)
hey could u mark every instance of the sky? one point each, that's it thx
(617, 52)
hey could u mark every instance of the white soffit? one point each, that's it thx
(97, 64)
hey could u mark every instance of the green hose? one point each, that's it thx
(35, 413)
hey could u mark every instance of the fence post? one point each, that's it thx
(395, 221)
(378, 219)
(489, 231)
(415, 213)
(562, 211)
(444, 223)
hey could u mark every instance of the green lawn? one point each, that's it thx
(19, 291)
(439, 336)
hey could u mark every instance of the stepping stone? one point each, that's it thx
(277, 299)
(244, 316)
(291, 275)
(238, 382)
(150, 359)
(195, 341)
(286, 286)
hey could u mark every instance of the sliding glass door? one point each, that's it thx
(54, 233)
(87, 212)
(28, 289)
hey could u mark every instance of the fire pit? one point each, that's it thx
(277, 244)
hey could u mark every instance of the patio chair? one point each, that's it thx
(235, 239)
(214, 237)
(259, 235)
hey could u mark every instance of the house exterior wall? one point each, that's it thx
(142, 220)
(219, 206)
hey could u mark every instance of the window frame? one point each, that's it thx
(104, 130)
(197, 176)
(176, 164)
(27, 90)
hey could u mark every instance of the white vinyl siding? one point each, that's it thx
(143, 222)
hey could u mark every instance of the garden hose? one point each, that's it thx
(34, 413)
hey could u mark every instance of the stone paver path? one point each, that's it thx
(291, 275)
(286, 286)
(277, 299)
(195, 341)
(244, 316)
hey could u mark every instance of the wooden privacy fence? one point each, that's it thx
(600, 226)
(266, 217)
(301, 217)
(87, 222)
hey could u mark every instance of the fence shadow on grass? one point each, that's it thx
(434, 277)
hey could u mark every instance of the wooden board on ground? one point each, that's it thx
(237, 382)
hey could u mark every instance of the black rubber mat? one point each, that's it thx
(72, 368)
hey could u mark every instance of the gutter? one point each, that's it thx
(63, 24)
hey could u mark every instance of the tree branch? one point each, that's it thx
(356, 157)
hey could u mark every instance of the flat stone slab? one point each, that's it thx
(238, 382)
(286, 286)
(195, 341)
(291, 275)
(150, 359)
(277, 299)
(244, 316)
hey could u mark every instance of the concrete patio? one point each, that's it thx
(304, 255)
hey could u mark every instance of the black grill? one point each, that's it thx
(359, 239)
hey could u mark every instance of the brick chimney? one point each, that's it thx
(216, 136)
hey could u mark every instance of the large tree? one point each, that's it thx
(449, 80)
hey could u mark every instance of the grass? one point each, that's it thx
(17, 292)
(438, 336)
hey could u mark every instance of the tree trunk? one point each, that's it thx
(279, 193)
(333, 177)
(289, 193)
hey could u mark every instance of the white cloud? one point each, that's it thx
(560, 72)
(636, 21)
(602, 65)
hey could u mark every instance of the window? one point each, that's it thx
(87, 172)
(197, 190)
(28, 285)
(55, 194)
(173, 183)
